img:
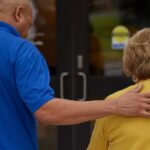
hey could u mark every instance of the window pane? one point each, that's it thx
(43, 32)
(43, 35)
(104, 16)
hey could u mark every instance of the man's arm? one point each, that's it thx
(66, 112)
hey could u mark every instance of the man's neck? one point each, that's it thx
(5, 18)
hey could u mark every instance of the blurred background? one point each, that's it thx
(75, 36)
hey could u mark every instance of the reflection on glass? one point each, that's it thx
(47, 138)
(43, 35)
(43, 32)
(96, 53)
(104, 16)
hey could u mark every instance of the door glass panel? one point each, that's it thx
(104, 16)
(43, 35)
(43, 31)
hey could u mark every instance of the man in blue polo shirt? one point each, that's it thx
(25, 93)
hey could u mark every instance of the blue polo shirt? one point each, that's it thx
(24, 88)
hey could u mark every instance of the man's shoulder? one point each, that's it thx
(14, 40)
(10, 42)
(27, 51)
(10, 37)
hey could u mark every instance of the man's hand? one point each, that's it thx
(133, 103)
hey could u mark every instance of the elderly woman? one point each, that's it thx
(124, 133)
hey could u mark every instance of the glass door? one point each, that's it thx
(97, 62)
(105, 61)
(53, 34)
(43, 34)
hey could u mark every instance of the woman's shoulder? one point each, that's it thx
(146, 88)
(120, 92)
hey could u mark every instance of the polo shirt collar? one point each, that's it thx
(8, 28)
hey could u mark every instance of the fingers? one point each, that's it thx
(146, 95)
(137, 89)
(146, 107)
(145, 111)
(145, 114)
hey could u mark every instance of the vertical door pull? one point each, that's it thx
(83, 75)
(62, 76)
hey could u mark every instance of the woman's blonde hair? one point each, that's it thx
(136, 56)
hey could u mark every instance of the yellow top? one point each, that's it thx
(122, 133)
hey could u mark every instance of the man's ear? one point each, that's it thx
(19, 12)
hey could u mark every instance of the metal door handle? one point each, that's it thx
(62, 76)
(83, 75)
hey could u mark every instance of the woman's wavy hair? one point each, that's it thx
(136, 55)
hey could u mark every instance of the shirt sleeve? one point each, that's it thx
(98, 140)
(32, 77)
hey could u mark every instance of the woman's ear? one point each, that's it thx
(19, 13)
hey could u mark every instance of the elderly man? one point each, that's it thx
(25, 93)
